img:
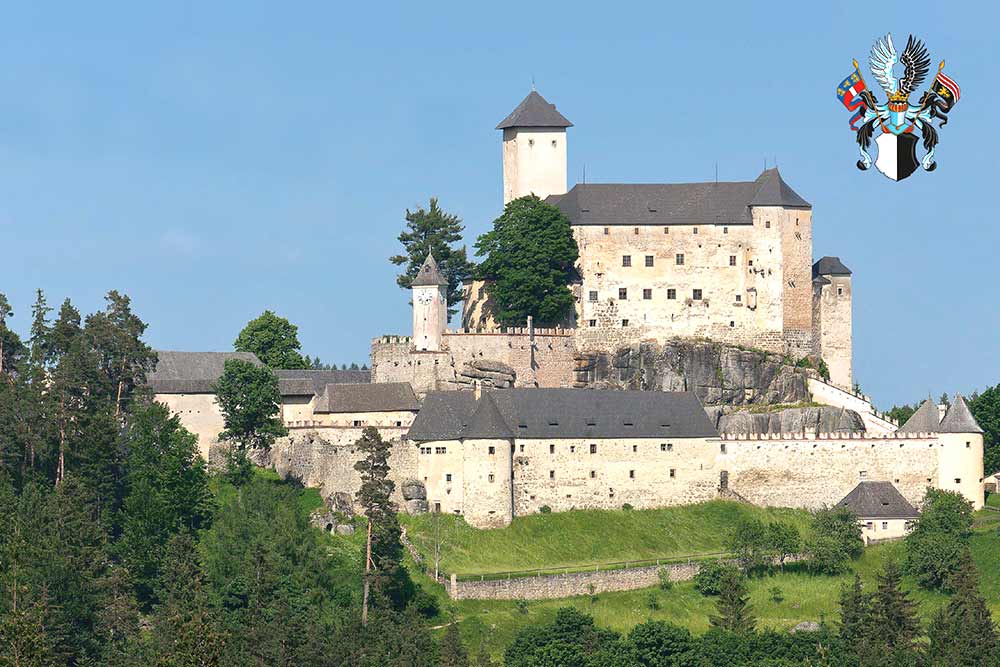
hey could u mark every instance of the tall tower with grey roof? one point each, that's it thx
(430, 307)
(832, 319)
(534, 149)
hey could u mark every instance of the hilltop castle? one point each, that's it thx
(729, 262)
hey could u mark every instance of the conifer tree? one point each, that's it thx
(855, 606)
(733, 606)
(453, 653)
(892, 626)
(5, 312)
(962, 632)
(432, 231)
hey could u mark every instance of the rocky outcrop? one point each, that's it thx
(822, 419)
(487, 372)
(414, 496)
(718, 374)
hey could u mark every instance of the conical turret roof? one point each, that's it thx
(924, 420)
(487, 422)
(959, 418)
(429, 274)
(534, 111)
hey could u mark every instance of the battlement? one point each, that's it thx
(833, 436)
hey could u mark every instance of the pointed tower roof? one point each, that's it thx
(429, 274)
(486, 421)
(773, 191)
(830, 266)
(924, 420)
(534, 111)
(959, 418)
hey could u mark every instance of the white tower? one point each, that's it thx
(534, 149)
(430, 307)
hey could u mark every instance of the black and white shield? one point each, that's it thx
(897, 155)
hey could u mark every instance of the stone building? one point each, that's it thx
(882, 511)
(726, 261)
(494, 455)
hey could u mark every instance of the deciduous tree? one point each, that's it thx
(273, 339)
(250, 402)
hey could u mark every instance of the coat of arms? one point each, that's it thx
(897, 119)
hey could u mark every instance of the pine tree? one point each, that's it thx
(733, 606)
(962, 633)
(892, 627)
(432, 231)
(25, 641)
(453, 653)
(855, 606)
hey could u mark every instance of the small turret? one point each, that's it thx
(430, 306)
(961, 457)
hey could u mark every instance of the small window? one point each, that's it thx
(885, 525)
(663, 446)
(958, 480)
(398, 424)
(624, 323)
(447, 477)
(552, 449)
(626, 260)
(552, 474)
(572, 448)
(593, 474)
(531, 142)
(635, 448)
(967, 444)
(739, 298)
(490, 477)
(673, 473)
(357, 422)
(522, 448)
(863, 474)
(679, 259)
(493, 450)
(593, 295)
(622, 293)
(607, 231)
(440, 450)
(722, 448)
(666, 230)
(767, 224)
(635, 230)
(670, 447)
(840, 291)
(671, 293)
(732, 324)
(592, 323)
(869, 525)
(696, 294)
(647, 294)
(553, 143)
(593, 449)
(695, 230)
(725, 230)
(631, 474)
(649, 260)
(732, 260)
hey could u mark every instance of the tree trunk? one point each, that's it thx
(61, 468)
(121, 386)
(368, 567)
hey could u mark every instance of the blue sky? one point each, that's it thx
(212, 160)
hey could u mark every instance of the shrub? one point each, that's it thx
(627, 507)
(665, 582)
(939, 539)
(652, 600)
(426, 604)
(777, 595)
(522, 607)
(592, 589)
(710, 576)
(545, 509)
(836, 540)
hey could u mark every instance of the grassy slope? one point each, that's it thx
(541, 540)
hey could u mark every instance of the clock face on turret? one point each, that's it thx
(425, 298)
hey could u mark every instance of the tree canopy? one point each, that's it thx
(250, 401)
(433, 231)
(528, 262)
(273, 339)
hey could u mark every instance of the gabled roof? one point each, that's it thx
(830, 266)
(562, 413)
(726, 203)
(878, 500)
(383, 397)
(773, 191)
(429, 273)
(959, 418)
(924, 420)
(534, 111)
(302, 382)
(191, 372)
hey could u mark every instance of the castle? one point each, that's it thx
(730, 262)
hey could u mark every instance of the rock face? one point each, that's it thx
(823, 419)
(719, 374)
(488, 372)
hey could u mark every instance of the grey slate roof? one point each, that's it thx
(959, 418)
(384, 397)
(534, 111)
(878, 500)
(674, 204)
(924, 420)
(306, 382)
(830, 266)
(562, 413)
(429, 273)
(191, 372)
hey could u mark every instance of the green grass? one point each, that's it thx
(586, 537)
(993, 500)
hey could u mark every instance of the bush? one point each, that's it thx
(665, 582)
(710, 576)
(939, 539)
(652, 600)
(522, 607)
(836, 540)
(777, 595)
(627, 507)
(426, 604)
(545, 509)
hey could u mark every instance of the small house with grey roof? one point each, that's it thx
(883, 513)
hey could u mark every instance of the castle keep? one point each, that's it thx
(730, 262)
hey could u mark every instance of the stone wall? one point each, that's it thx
(834, 330)
(200, 414)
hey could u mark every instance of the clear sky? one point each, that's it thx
(215, 159)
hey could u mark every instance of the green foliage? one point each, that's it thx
(836, 540)
(432, 231)
(652, 600)
(522, 607)
(757, 545)
(777, 595)
(273, 339)
(891, 628)
(570, 639)
(711, 577)
(627, 507)
(453, 653)
(545, 509)
(937, 544)
(824, 370)
(734, 612)
(855, 607)
(250, 402)
(962, 632)
(528, 261)
(659, 644)
(985, 407)
(901, 413)
(663, 574)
